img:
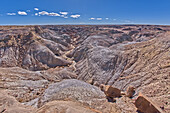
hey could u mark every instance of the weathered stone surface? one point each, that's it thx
(145, 105)
(31, 51)
(142, 64)
(116, 55)
(130, 91)
(111, 91)
(78, 91)
(24, 85)
(9, 104)
(58, 74)
(126, 104)
(73, 89)
(65, 107)
(46, 56)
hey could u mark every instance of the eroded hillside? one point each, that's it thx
(62, 68)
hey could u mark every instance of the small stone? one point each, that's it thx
(96, 84)
(123, 93)
(90, 81)
(130, 91)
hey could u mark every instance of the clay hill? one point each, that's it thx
(85, 69)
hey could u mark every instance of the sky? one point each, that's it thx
(43, 12)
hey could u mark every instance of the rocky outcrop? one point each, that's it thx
(27, 86)
(46, 56)
(75, 90)
(68, 106)
(78, 91)
(9, 104)
(36, 60)
(32, 52)
(65, 107)
(142, 65)
(145, 105)
(24, 85)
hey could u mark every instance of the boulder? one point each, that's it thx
(79, 92)
(130, 91)
(75, 90)
(145, 105)
(110, 91)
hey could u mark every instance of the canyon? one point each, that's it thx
(85, 69)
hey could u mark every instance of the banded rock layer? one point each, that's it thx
(35, 62)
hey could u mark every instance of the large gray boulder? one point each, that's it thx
(75, 90)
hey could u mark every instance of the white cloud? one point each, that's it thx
(64, 16)
(92, 18)
(36, 9)
(99, 19)
(22, 13)
(107, 18)
(36, 14)
(75, 16)
(95, 18)
(48, 14)
(53, 14)
(43, 13)
(11, 14)
(64, 13)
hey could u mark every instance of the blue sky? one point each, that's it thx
(84, 12)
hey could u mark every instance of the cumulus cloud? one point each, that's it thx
(53, 14)
(36, 9)
(36, 14)
(92, 18)
(11, 14)
(99, 19)
(64, 13)
(48, 14)
(22, 13)
(75, 16)
(43, 13)
(107, 18)
(95, 18)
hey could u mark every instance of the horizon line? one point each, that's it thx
(85, 24)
